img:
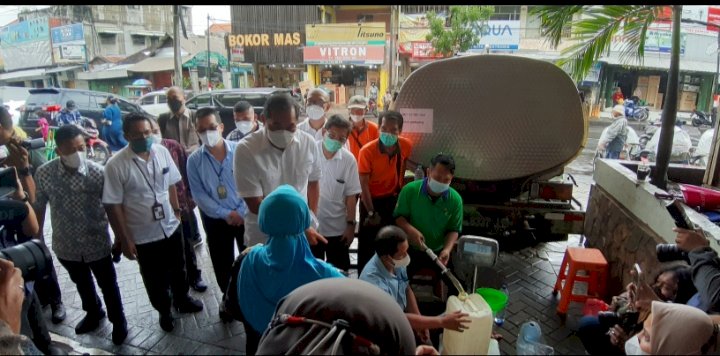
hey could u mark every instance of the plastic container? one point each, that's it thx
(475, 340)
(530, 341)
(496, 299)
(419, 172)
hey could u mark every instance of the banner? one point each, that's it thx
(499, 35)
(655, 41)
(26, 44)
(237, 54)
(342, 54)
(713, 17)
(424, 50)
(369, 34)
(68, 43)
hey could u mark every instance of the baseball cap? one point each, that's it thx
(357, 102)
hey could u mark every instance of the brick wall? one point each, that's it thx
(624, 240)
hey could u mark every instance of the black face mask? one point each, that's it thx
(175, 105)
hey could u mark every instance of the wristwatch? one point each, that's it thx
(26, 197)
(23, 172)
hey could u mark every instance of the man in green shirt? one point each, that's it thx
(431, 213)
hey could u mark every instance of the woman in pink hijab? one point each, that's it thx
(675, 329)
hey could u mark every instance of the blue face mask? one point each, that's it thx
(141, 145)
(437, 187)
(388, 139)
(331, 145)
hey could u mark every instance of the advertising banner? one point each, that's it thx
(499, 35)
(424, 50)
(237, 54)
(68, 43)
(369, 34)
(26, 44)
(342, 54)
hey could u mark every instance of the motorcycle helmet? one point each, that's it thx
(70, 104)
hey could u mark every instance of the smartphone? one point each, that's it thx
(677, 212)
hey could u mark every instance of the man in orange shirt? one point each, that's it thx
(363, 130)
(381, 166)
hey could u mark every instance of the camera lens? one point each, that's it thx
(670, 252)
(32, 258)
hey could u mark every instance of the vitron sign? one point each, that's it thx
(498, 35)
(264, 40)
(343, 54)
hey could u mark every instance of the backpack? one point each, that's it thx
(231, 299)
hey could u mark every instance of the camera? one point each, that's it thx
(33, 144)
(8, 182)
(628, 320)
(670, 252)
(31, 257)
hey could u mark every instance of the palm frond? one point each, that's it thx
(554, 19)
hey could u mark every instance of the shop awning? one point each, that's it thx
(23, 74)
(663, 62)
(107, 73)
(61, 69)
(148, 33)
(156, 64)
(108, 29)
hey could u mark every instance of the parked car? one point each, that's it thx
(155, 102)
(224, 100)
(13, 98)
(44, 102)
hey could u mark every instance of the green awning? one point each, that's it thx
(200, 60)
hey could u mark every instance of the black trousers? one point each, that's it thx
(338, 254)
(190, 232)
(366, 241)
(33, 324)
(48, 288)
(162, 267)
(81, 273)
(221, 238)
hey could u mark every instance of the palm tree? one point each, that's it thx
(593, 35)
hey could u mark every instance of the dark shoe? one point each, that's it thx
(120, 332)
(58, 313)
(89, 323)
(189, 305)
(225, 316)
(167, 322)
(199, 285)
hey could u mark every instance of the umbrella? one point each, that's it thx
(141, 83)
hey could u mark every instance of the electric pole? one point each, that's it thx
(176, 40)
(207, 72)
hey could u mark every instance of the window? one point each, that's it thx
(138, 40)
(506, 12)
(82, 100)
(162, 99)
(364, 18)
(126, 107)
(200, 101)
(148, 100)
(99, 101)
(108, 39)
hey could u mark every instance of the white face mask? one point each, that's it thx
(437, 187)
(632, 346)
(74, 160)
(315, 112)
(402, 263)
(244, 126)
(210, 137)
(357, 118)
(157, 138)
(280, 138)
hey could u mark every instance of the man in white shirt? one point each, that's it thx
(317, 106)
(278, 154)
(340, 184)
(141, 202)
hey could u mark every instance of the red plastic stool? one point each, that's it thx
(581, 259)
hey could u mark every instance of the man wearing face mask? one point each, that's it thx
(179, 123)
(245, 121)
(381, 167)
(188, 221)
(431, 213)
(210, 171)
(318, 104)
(73, 186)
(279, 154)
(363, 131)
(387, 270)
(142, 205)
(340, 184)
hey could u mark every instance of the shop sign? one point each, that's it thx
(68, 43)
(344, 54)
(369, 33)
(264, 39)
(424, 50)
(237, 54)
(498, 35)
(655, 41)
(713, 17)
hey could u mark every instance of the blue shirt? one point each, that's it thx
(113, 114)
(68, 117)
(396, 285)
(206, 174)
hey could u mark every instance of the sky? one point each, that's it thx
(221, 13)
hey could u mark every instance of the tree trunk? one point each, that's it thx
(669, 112)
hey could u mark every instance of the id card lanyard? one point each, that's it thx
(221, 190)
(157, 208)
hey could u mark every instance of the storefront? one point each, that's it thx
(271, 38)
(346, 58)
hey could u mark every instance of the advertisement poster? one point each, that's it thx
(68, 43)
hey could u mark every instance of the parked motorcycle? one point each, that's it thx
(700, 154)
(96, 149)
(700, 118)
(681, 146)
(635, 112)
